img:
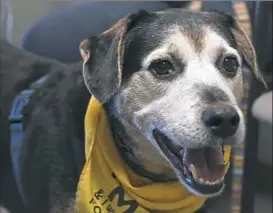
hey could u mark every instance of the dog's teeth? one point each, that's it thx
(206, 182)
(193, 171)
(201, 180)
(209, 183)
(216, 182)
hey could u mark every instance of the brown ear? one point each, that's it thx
(245, 46)
(247, 51)
(102, 70)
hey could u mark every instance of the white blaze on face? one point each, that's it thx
(200, 69)
(200, 64)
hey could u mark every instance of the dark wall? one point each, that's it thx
(263, 34)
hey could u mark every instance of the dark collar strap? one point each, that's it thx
(17, 130)
(17, 133)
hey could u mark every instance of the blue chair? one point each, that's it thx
(58, 34)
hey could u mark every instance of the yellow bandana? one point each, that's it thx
(108, 185)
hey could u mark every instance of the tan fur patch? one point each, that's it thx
(246, 48)
(112, 31)
(121, 50)
(85, 50)
(197, 39)
(118, 30)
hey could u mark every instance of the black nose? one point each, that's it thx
(223, 120)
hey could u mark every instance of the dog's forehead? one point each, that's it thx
(206, 45)
(177, 29)
(190, 22)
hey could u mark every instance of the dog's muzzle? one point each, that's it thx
(201, 169)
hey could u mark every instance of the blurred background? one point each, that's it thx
(54, 28)
(28, 11)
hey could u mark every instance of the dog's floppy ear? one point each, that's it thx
(247, 50)
(245, 46)
(103, 58)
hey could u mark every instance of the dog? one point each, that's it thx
(170, 83)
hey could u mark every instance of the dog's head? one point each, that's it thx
(174, 80)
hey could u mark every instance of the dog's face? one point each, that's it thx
(174, 78)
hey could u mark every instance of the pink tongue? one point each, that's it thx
(208, 162)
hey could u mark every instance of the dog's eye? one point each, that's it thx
(230, 64)
(161, 67)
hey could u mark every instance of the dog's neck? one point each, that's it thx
(140, 155)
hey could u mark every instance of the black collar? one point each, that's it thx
(17, 129)
(17, 133)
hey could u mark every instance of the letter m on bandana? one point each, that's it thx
(119, 193)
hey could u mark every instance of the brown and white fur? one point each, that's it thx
(156, 74)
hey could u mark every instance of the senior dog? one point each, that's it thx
(167, 86)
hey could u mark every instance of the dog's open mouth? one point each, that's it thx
(202, 169)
